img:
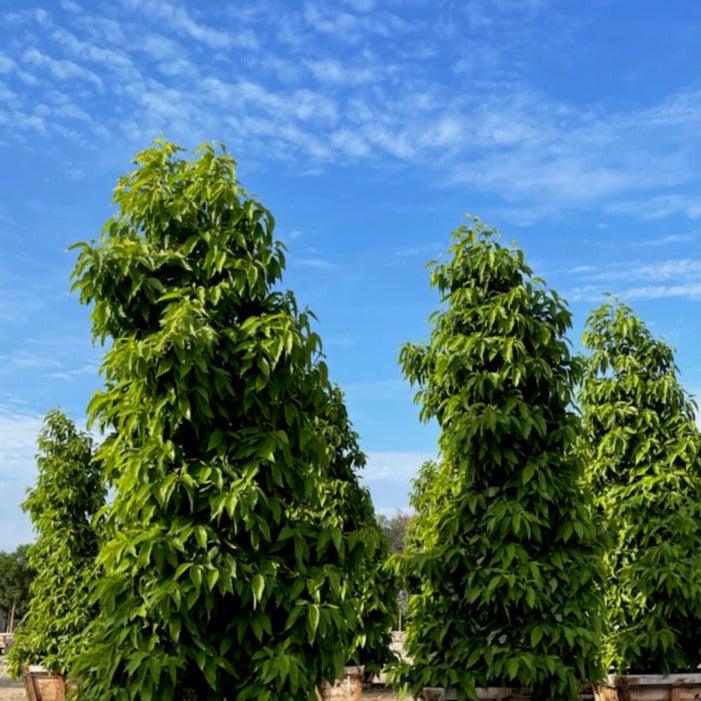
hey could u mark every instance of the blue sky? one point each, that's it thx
(370, 128)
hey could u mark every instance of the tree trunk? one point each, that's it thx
(11, 620)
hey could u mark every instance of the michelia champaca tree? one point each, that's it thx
(239, 539)
(63, 506)
(643, 463)
(503, 545)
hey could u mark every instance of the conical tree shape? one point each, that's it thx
(643, 464)
(230, 571)
(63, 505)
(503, 545)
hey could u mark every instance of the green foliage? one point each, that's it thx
(242, 552)
(503, 546)
(643, 463)
(395, 529)
(63, 506)
(15, 578)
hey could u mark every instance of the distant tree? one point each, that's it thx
(643, 463)
(503, 546)
(394, 529)
(63, 506)
(239, 542)
(15, 577)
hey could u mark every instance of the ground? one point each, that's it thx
(10, 690)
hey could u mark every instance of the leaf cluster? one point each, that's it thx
(504, 551)
(642, 449)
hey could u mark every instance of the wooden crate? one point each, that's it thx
(493, 693)
(40, 685)
(496, 693)
(650, 687)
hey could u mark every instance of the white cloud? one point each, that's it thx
(332, 71)
(60, 68)
(85, 50)
(660, 206)
(394, 465)
(318, 263)
(666, 240)
(680, 278)
(388, 475)
(632, 270)
(179, 19)
(18, 433)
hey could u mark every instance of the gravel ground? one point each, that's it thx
(10, 690)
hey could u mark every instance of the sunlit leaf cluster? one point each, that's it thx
(504, 554)
(643, 463)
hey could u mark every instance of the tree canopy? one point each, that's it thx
(63, 506)
(15, 577)
(642, 447)
(240, 543)
(503, 547)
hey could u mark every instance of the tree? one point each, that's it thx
(63, 507)
(643, 463)
(503, 545)
(394, 530)
(15, 577)
(239, 539)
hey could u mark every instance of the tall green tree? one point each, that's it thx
(238, 537)
(643, 463)
(15, 578)
(63, 506)
(503, 545)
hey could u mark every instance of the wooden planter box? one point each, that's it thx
(493, 693)
(350, 688)
(41, 685)
(650, 687)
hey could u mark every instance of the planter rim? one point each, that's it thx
(488, 691)
(676, 679)
(354, 669)
(38, 669)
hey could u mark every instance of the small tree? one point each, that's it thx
(63, 506)
(372, 583)
(643, 463)
(503, 544)
(394, 530)
(15, 578)
(239, 539)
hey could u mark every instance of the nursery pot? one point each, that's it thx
(41, 685)
(350, 688)
(650, 687)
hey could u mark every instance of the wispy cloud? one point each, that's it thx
(388, 474)
(660, 206)
(674, 278)
(318, 263)
(177, 17)
(172, 68)
(60, 68)
(667, 240)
